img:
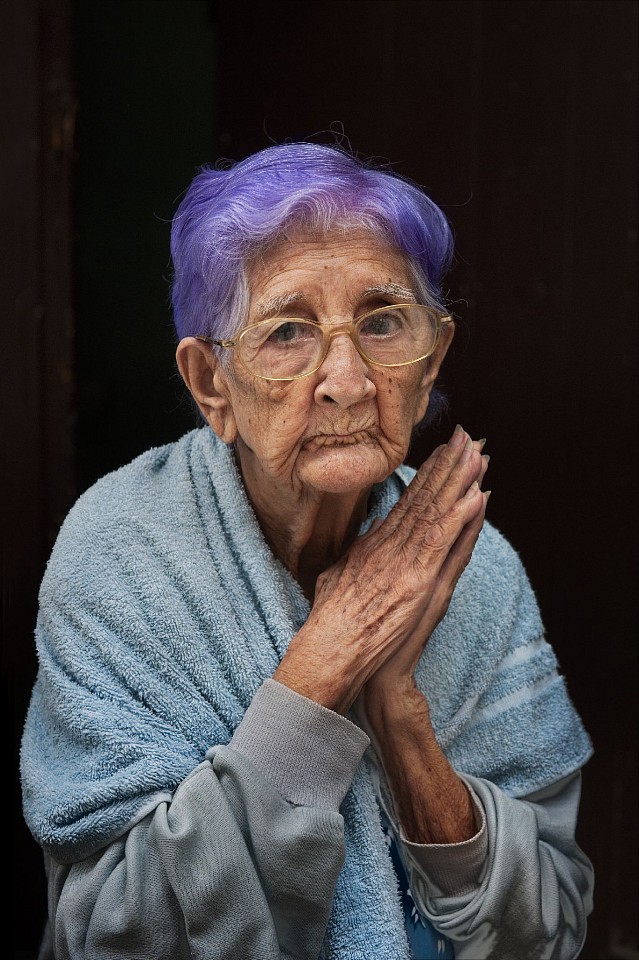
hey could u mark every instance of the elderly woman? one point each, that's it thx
(294, 698)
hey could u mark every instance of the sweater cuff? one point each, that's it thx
(452, 869)
(308, 752)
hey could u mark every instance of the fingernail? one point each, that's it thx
(487, 494)
(457, 437)
(472, 490)
(485, 457)
(482, 443)
(468, 449)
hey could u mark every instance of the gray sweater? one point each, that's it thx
(242, 864)
(191, 806)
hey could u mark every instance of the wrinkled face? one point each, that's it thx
(348, 425)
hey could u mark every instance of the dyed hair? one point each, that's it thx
(229, 216)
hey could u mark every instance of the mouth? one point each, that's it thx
(340, 439)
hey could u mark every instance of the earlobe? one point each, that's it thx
(201, 372)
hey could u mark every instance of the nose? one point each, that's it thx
(344, 375)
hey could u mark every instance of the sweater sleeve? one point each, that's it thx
(523, 871)
(242, 862)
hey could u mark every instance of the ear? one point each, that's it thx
(431, 370)
(201, 371)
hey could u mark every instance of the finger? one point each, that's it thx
(401, 521)
(453, 567)
(458, 437)
(405, 502)
(431, 477)
(442, 480)
(434, 535)
(457, 442)
(452, 487)
(375, 525)
(441, 460)
(461, 551)
(458, 467)
(484, 467)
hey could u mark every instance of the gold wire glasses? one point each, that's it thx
(287, 348)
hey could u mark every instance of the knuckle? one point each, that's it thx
(436, 537)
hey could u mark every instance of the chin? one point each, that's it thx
(345, 472)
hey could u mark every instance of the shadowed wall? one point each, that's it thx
(519, 118)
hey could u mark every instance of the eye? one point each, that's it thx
(387, 323)
(286, 331)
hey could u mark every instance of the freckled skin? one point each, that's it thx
(311, 449)
(345, 396)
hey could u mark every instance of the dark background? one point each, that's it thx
(519, 119)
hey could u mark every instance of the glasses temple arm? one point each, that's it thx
(218, 343)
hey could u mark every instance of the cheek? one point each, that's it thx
(399, 401)
(272, 416)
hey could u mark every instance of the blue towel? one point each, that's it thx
(162, 610)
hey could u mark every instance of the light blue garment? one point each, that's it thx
(163, 610)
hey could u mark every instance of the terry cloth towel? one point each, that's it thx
(163, 610)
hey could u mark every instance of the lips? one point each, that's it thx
(340, 439)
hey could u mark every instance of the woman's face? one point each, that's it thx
(348, 425)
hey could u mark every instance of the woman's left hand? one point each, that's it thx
(431, 802)
(387, 593)
(397, 672)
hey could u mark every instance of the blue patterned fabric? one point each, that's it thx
(425, 942)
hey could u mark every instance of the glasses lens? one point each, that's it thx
(398, 334)
(281, 349)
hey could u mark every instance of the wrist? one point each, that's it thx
(396, 701)
(432, 803)
(326, 693)
(308, 669)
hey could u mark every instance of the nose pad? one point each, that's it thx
(344, 374)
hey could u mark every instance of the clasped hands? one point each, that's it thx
(375, 609)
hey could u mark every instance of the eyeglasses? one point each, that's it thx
(286, 348)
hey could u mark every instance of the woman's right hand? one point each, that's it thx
(393, 585)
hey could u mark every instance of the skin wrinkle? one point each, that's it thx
(309, 451)
(298, 457)
(279, 305)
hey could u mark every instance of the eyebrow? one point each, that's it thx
(277, 305)
(402, 294)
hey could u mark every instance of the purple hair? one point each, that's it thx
(227, 216)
